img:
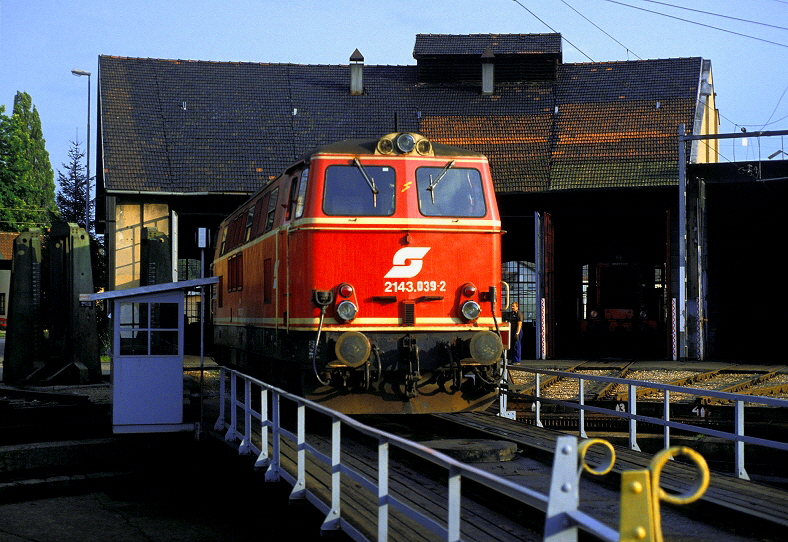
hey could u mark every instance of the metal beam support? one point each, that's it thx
(681, 332)
(682, 326)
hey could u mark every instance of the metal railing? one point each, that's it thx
(737, 437)
(254, 412)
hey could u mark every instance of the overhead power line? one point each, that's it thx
(715, 14)
(768, 121)
(628, 50)
(552, 29)
(696, 23)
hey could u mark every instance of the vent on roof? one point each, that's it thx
(356, 73)
(518, 57)
(488, 72)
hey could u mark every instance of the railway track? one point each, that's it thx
(753, 380)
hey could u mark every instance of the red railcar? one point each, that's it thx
(367, 277)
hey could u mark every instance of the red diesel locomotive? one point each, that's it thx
(367, 277)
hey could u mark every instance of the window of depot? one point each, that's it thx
(149, 329)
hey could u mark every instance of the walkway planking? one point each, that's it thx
(725, 494)
(359, 506)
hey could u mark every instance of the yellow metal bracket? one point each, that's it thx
(606, 462)
(640, 519)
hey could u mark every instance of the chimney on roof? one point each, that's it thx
(488, 71)
(356, 73)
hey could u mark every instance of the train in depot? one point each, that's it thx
(367, 278)
(624, 309)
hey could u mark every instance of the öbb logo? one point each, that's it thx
(407, 262)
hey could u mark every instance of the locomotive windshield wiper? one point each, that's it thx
(434, 183)
(370, 182)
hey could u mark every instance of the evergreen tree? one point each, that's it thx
(27, 182)
(8, 199)
(72, 197)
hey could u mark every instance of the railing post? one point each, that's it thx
(232, 431)
(246, 439)
(564, 495)
(582, 413)
(503, 397)
(738, 451)
(538, 404)
(383, 488)
(666, 417)
(263, 460)
(331, 523)
(633, 424)
(272, 474)
(299, 488)
(455, 508)
(220, 423)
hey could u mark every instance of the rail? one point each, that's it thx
(738, 438)
(255, 420)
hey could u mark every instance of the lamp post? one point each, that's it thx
(80, 73)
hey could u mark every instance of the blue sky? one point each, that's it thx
(41, 41)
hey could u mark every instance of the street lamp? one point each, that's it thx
(80, 73)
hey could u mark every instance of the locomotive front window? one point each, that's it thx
(357, 190)
(449, 191)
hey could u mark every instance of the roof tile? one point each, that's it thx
(196, 126)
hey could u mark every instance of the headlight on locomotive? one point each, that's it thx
(346, 311)
(470, 310)
(405, 143)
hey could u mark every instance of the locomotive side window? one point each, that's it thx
(249, 222)
(271, 212)
(357, 190)
(260, 210)
(291, 198)
(235, 272)
(235, 235)
(300, 197)
(448, 191)
(224, 240)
